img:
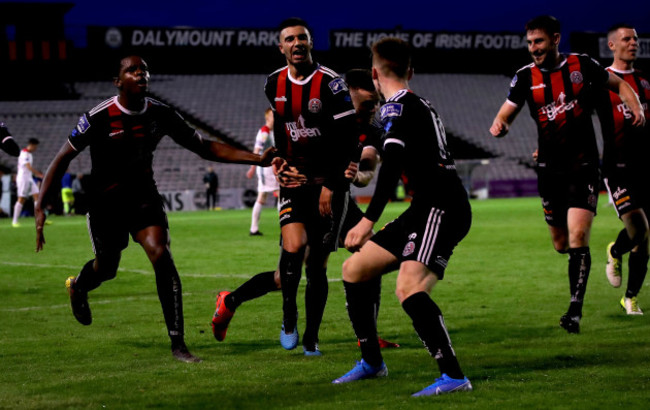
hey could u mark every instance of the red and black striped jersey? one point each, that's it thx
(314, 123)
(623, 144)
(560, 103)
(122, 143)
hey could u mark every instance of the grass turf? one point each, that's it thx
(503, 294)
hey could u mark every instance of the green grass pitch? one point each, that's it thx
(503, 294)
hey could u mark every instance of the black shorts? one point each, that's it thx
(628, 190)
(426, 234)
(563, 190)
(110, 224)
(300, 205)
(345, 215)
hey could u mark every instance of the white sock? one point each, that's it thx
(18, 208)
(255, 220)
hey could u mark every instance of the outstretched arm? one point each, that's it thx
(53, 175)
(506, 115)
(629, 97)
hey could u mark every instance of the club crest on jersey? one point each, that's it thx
(83, 124)
(314, 106)
(645, 84)
(337, 85)
(391, 110)
(576, 77)
(409, 248)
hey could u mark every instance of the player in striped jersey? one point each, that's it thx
(421, 240)
(625, 167)
(122, 134)
(314, 128)
(557, 89)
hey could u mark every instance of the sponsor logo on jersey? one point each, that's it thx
(619, 192)
(391, 110)
(284, 202)
(116, 133)
(314, 106)
(83, 124)
(576, 77)
(297, 130)
(409, 248)
(558, 107)
(645, 84)
(282, 99)
(536, 87)
(337, 85)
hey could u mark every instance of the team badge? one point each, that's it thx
(315, 106)
(576, 77)
(337, 85)
(391, 110)
(409, 248)
(645, 84)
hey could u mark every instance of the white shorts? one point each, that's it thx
(26, 187)
(266, 181)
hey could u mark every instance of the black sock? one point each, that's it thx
(638, 267)
(430, 327)
(359, 303)
(315, 300)
(290, 272)
(170, 293)
(579, 267)
(258, 285)
(622, 245)
(88, 279)
(374, 292)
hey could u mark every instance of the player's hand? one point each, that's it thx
(535, 155)
(359, 235)
(351, 171)
(267, 157)
(325, 202)
(288, 176)
(639, 118)
(39, 217)
(251, 172)
(499, 128)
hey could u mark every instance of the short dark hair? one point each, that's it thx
(549, 24)
(292, 22)
(33, 141)
(396, 54)
(360, 78)
(617, 26)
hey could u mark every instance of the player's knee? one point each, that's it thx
(158, 253)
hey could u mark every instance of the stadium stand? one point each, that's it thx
(229, 107)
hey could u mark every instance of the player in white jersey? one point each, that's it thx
(266, 181)
(25, 184)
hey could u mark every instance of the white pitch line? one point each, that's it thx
(105, 302)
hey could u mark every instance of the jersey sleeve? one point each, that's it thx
(80, 136)
(344, 131)
(596, 73)
(518, 89)
(183, 134)
(7, 142)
